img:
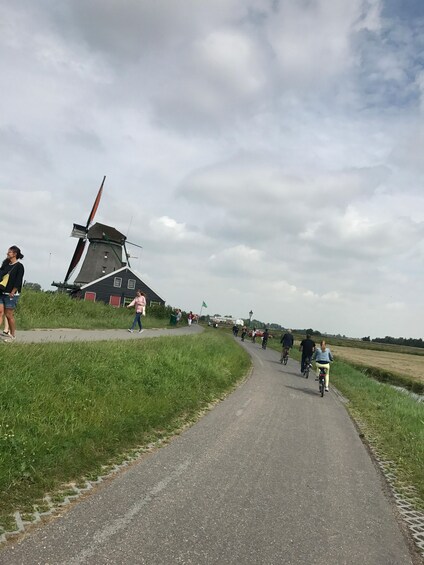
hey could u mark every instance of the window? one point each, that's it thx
(131, 284)
(91, 296)
(117, 282)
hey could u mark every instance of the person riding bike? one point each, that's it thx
(265, 338)
(287, 342)
(307, 347)
(323, 357)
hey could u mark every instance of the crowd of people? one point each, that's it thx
(310, 352)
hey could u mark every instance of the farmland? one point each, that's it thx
(411, 366)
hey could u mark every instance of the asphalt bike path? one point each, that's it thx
(274, 474)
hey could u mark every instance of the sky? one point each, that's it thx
(267, 154)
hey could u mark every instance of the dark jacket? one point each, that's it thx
(16, 275)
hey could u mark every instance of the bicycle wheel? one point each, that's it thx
(306, 372)
(321, 387)
(285, 359)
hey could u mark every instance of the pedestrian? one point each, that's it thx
(243, 333)
(307, 347)
(6, 327)
(254, 335)
(190, 318)
(139, 303)
(179, 315)
(11, 279)
(323, 357)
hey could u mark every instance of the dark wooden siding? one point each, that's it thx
(104, 288)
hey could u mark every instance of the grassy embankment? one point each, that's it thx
(67, 409)
(391, 420)
(57, 310)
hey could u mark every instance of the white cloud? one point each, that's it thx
(266, 155)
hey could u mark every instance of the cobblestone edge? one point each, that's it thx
(404, 495)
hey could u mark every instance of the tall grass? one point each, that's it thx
(66, 409)
(58, 310)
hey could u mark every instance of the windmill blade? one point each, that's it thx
(76, 257)
(135, 245)
(127, 256)
(95, 205)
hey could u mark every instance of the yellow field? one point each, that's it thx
(401, 363)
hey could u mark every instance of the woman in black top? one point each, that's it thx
(10, 290)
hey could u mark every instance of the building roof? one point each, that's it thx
(101, 231)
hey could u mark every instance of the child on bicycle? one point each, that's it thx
(323, 357)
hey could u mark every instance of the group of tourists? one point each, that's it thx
(11, 280)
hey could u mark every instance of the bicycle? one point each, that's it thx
(307, 368)
(321, 379)
(285, 355)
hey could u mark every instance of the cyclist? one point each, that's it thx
(265, 338)
(307, 347)
(287, 342)
(323, 357)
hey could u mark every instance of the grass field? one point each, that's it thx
(401, 363)
(68, 409)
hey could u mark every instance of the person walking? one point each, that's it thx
(307, 347)
(254, 335)
(323, 357)
(139, 303)
(243, 333)
(190, 318)
(11, 279)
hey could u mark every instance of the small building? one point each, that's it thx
(118, 289)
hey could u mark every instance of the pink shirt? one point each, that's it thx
(139, 302)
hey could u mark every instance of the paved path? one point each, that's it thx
(274, 474)
(42, 336)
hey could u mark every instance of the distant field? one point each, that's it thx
(411, 366)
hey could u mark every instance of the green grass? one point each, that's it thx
(58, 310)
(393, 421)
(68, 409)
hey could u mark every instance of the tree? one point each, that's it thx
(32, 286)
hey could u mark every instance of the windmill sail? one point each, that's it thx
(81, 232)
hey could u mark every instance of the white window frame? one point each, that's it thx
(117, 282)
(133, 283)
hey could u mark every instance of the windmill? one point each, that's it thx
(105, 250)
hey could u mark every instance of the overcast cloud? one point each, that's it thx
(267, 155)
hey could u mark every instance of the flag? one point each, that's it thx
(204, 305)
